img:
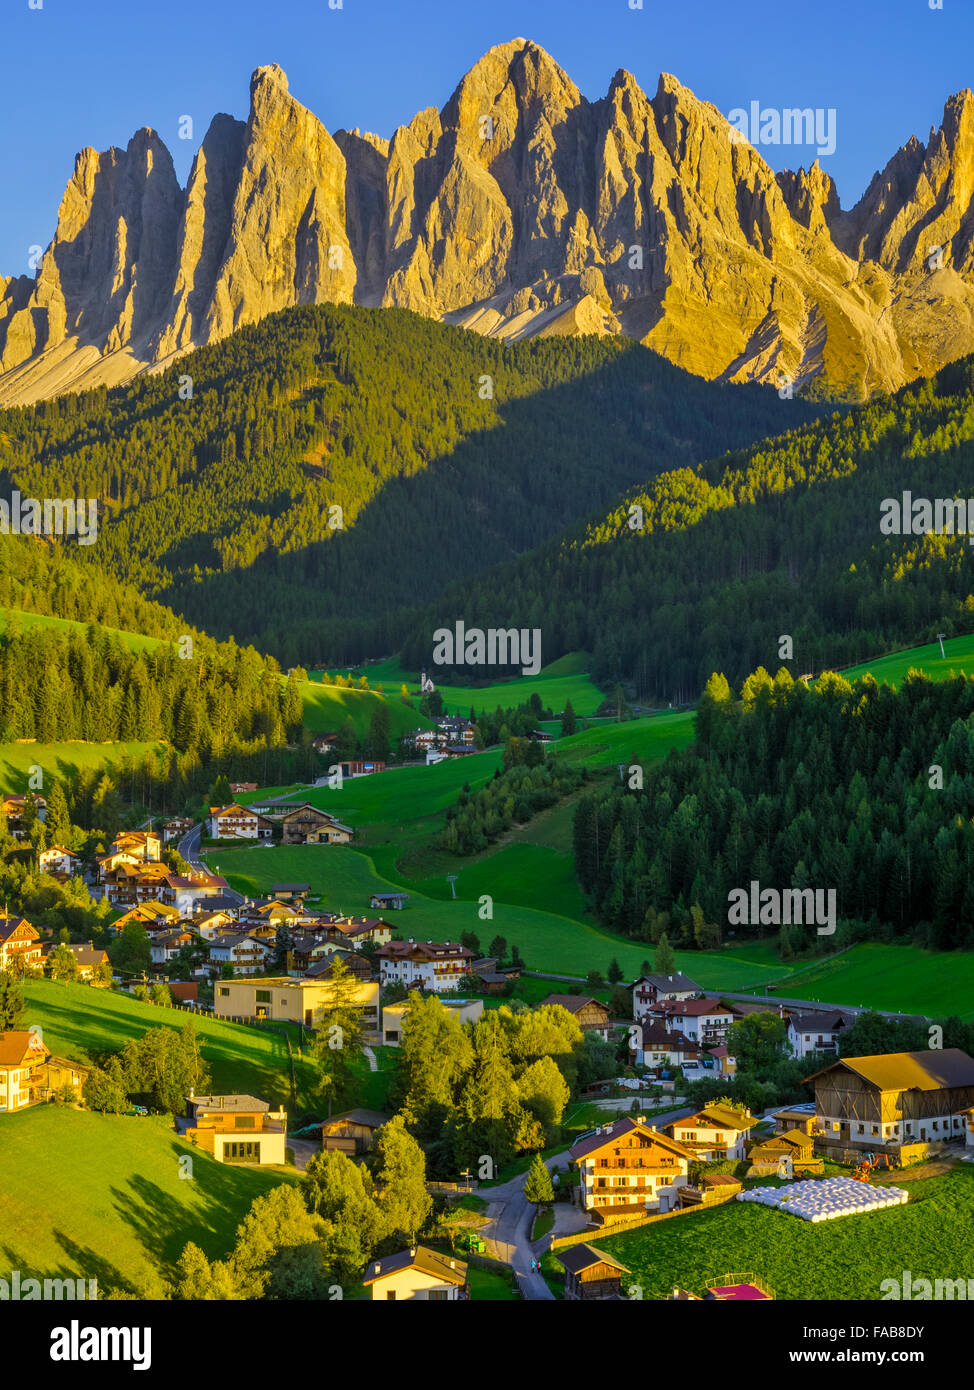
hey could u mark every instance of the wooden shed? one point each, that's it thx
(591, 1273)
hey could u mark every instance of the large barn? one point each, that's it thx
(895, 1099)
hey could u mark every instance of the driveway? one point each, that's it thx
(303, 1150)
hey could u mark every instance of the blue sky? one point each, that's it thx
(90, 72)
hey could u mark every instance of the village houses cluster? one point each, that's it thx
(272, 959)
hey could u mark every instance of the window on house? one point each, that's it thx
(224, 991)
(263, 996)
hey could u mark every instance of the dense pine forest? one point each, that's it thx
(782, 538)
(446, 453)
(854, 787)
(96, 688)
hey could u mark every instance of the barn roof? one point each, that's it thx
(909, 1071)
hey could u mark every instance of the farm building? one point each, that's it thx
(892, 1100)
(387, 900)
(590, 1015)
(306, 825)
(785, 1154)
(354, 1131)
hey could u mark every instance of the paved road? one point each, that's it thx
(510, 1239)
(512, 1215)
(189, 848)
(189, 845)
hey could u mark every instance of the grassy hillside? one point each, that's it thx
(383, 802)
(344, 878)
(899, 978)
(18, 618)
(847, 1258)
(57, 759)
(104, 1197)
(78, 1021)
(891, 670)
(566, 679)
(638, 741)
(327, 707)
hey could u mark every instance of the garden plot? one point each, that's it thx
(826, 1199)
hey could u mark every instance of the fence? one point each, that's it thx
(620, 1227)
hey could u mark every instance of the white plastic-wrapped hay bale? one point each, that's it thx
(827, 1199)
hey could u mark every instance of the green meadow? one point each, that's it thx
(901, 979)
(843, 1259)
(327, 707)
(564, 679)
(106, 1197)
(58, 759)
(891, 669)
(342, 879)
(79, 1022)
(635, 741)
(135, 641)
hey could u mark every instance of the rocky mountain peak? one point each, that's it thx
(519, 207)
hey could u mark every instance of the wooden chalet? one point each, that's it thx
(710, 1190)
(306, 825)
(788, 1153)
(20, 947)
(627, 1169)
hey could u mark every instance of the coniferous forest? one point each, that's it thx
(859, 786)
(780, 538)
(446, 453)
